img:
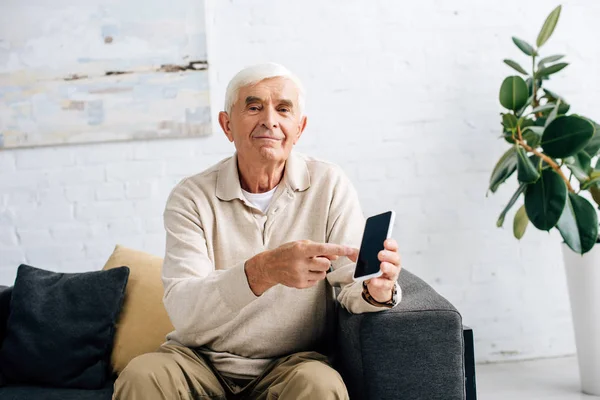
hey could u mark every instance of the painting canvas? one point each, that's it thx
(102, 70)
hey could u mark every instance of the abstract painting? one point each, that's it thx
(75, 71)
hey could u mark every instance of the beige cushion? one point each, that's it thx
(143, 323)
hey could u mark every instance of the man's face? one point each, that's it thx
(265, 122)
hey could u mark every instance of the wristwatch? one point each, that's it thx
(369, 299)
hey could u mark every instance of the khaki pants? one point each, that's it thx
(178, 372)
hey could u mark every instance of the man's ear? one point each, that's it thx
(225, 123)
(301, 127)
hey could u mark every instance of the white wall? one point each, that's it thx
(404, 95)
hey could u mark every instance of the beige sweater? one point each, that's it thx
(212, 230)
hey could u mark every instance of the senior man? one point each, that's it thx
(250, 242)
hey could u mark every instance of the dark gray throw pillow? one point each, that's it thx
(61, 327)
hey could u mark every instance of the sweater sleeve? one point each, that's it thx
(198, 298)
(345, 226)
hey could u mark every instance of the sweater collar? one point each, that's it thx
(295, 176)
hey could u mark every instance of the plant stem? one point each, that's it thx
(544, 157)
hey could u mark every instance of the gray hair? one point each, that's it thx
(256, 73)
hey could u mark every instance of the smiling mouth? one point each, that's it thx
(266, 138)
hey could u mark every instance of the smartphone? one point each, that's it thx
(378, 228)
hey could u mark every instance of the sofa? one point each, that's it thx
(413, 351)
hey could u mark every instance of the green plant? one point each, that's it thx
(546, 146)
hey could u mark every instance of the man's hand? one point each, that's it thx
(381, 289)
(300, 264)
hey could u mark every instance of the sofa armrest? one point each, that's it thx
(5, 295)
(412, 351)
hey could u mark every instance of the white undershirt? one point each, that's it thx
(260, 200)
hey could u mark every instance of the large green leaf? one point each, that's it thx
(566, 135)
(549, 59)
(511, 203)
(503, 169)
(548, 27)
(549, 70)
(515, 65)
(513, 93)
(526, 171)
(545, 200)
(520, 222)
(524, 46)
(578, 224)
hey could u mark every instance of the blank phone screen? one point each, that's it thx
(375, 233)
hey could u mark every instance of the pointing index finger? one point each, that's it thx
(327, 249)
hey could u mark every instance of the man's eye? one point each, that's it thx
(254, 108)
(285, 110)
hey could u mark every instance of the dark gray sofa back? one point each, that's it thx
(5, 294)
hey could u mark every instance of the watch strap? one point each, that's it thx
(369, 299)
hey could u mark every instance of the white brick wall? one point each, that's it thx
(403, 95)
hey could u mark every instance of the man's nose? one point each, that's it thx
(270, 118)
